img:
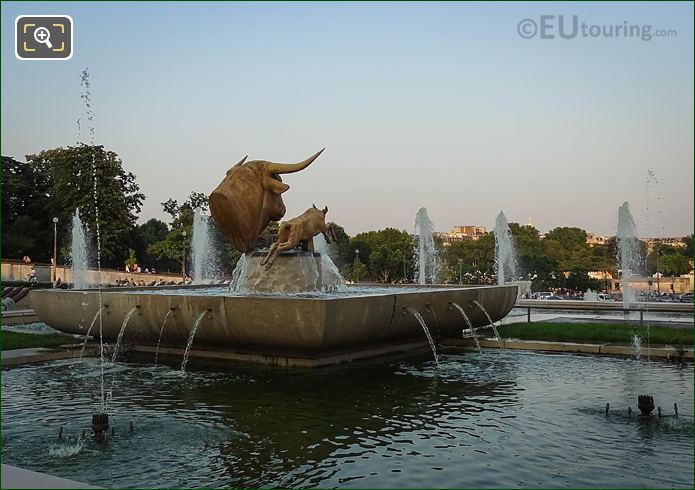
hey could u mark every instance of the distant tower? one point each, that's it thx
(530, 223)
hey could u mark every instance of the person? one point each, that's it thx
(58, 283)
(26, 259)
(147, 271)
(127, 267)
(137, 268)
(153, 271)
(33, 280)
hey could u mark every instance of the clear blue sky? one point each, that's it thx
(443, 106)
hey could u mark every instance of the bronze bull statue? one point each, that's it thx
(300, 230)
(250, 197)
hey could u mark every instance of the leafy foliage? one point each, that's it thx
(387, 253)
(56, 182)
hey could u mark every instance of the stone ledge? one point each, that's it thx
(666, 352)
(13, 477)
(18, 357)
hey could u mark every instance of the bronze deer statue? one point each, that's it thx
(300, 230)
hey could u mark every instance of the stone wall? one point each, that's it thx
(19, 271)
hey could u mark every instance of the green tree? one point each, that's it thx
(390, 251)
(132, 259)
(569, 238)
(354, 272)
(171, 245)
(674, 264)
(343, 253)
(472, 260)
(146, 234)
(71, 172)
(688, 249)
(27, 211)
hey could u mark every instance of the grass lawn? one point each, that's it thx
(16, 340)
(595, 332)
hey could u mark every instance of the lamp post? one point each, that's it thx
(354, 267)
(55, 249)
(460, 271)
(183, 262)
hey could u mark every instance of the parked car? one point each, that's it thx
(543, 295)
(686, 298)
(604, 297)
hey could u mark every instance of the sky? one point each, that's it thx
(444, 105)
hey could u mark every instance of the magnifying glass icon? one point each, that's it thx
(43, 36)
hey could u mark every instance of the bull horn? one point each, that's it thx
(288, 168)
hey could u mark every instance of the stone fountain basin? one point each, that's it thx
(277, 325)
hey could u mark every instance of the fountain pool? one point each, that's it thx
(502, 419)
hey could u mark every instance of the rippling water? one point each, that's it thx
(501, 419)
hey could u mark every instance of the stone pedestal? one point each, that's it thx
(292, 272)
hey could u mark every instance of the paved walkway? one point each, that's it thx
(13, 477)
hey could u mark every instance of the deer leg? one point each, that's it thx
(280, 248)
(270, 252)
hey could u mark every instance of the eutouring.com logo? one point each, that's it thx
(563, 27)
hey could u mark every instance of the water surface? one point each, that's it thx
(501, 419)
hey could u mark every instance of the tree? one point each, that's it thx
(146, 234)
(688, 249)
(343, 253)
(131, 260)
(355, 271)
(387, 252)
(569, 238)
(674, 264)
(72, 172)
(473, 260)
(171, 245)
(27, 211)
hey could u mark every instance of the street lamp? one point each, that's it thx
(460, 261)
(354, 267)
(183, 263)
(55, 248)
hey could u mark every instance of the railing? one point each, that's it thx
(612, 306)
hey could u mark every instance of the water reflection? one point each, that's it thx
(501, 419)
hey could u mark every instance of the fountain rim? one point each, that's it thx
(394, 289)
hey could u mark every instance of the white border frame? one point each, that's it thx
(72, 33)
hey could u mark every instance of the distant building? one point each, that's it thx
(460, 233)
(592, 239)
(671, 241)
